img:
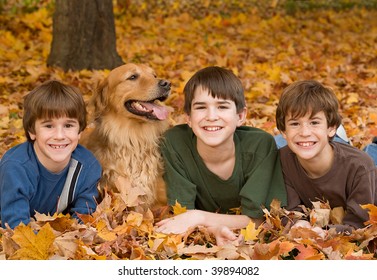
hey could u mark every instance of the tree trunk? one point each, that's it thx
(84, 35)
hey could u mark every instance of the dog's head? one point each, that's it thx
(132, 91)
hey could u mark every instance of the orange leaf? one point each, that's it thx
(372, 213)
(307, 252)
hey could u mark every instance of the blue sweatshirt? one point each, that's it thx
(26, 186)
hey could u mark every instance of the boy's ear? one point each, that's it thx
(188, 120)
(331, 131)
(32, 136)
(242, 116)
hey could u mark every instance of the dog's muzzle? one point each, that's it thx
(152, 109)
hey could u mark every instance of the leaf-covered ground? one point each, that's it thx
(267, 51)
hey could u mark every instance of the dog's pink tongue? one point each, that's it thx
(160, 112)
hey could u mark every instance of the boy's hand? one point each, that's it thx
(179, 224)
(225, 235)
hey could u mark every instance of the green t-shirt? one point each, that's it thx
(256, 179)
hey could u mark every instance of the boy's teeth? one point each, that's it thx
(212, 128)
(58, 146)
(306, 144)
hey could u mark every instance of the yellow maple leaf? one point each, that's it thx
(250, 232)
(104, 232)
(134, 219)
(178, 209)
(33, 246)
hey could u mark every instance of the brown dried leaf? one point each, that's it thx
(198, 249)
(337, 215)
(67, 244)
(129, 194)
(228, 252)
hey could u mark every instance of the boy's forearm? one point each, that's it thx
(209, 219)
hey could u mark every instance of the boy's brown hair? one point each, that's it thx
(220, 83)
(304, 97)
(50, 100)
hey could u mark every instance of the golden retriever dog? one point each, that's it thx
(129, 120)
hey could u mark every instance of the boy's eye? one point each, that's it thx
(223, 107)
(293, 124)
(71, 125)
(199, 107)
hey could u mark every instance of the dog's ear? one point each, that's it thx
(100, 98)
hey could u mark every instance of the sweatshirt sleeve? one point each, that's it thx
(361, 192)
(16, 189)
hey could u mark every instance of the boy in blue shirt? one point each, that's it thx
(50, 172)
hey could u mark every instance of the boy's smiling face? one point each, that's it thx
(214, 120)
(308, 136)
(54, 141)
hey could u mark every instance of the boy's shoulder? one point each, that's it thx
(254, 140)
(20, 153)
(178, 131)
(248, 130)
(348, 153)
(83, 154)
(253, 134)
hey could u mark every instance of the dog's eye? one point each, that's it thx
(133, 77)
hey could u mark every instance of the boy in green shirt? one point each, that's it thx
(214, 164)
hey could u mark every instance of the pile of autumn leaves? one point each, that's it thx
(115, 232)
(267, 54)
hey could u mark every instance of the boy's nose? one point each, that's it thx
(59, 133)
(212, 114)
(305, 129)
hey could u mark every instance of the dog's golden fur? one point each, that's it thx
(129, 122)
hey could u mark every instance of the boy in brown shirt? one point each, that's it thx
(315, 167)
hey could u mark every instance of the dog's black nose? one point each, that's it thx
(164, 84)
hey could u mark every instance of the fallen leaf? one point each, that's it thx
(33, 246)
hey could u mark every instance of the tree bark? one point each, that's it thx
(84, 35)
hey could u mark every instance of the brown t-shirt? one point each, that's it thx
(350, 182)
